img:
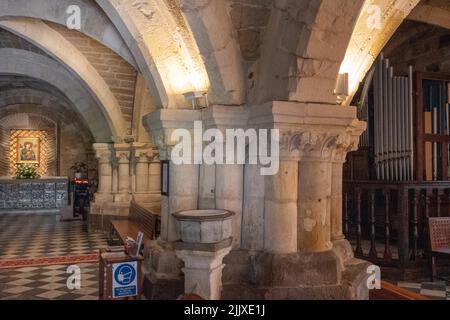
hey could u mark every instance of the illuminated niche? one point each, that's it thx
(28, 146)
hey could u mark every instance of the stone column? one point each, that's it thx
(336, 201)
(154, 177)
(229, 195)
(314, 196)
(229, 178)
(183, 195)
(103, 154)
(103, 196)
(280, 216)
(123, 155)
(183, 178)
(142, 177)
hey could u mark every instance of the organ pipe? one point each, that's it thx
(393, 123)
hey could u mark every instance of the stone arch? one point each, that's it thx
(214, 33)
(25, 63)
(304, 45)
(164, 50)
(58, 47)
(368, 39)
(433, 15)
(34, 97)
(94, 22)
(69, 141)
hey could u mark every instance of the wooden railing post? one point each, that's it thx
(373, 250)
(387, 223)
(345, 228)
(415, 223)
(359, 250)
(439, 202)
(403, 241)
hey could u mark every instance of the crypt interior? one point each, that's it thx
(361, 99)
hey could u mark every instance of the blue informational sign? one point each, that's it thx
(124, 279)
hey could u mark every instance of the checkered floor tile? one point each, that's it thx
(48, 283)
(35, 236)
(439, 290)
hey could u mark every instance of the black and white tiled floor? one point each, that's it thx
(35, 236)
(48, 283)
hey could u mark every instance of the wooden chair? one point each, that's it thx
(439, 234)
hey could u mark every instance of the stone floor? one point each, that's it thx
(35, 236)
(48, 283)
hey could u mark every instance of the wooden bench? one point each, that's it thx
(140, 220)
(439, 235)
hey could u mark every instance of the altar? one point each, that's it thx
(45, 193)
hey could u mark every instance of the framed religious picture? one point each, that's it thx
(28, 150)
(165, 177)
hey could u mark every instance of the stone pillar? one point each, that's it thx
(336, 201)
(103, 197)
(183, 195)
(253, 213)
(163, 278)
(183, 178)
(154, 176)
(203, 267)
(299, 260)
(103, 154)
(314, 197)
(229, 195)
(142, 177)
(229, 178)
(280, 217)
(207, 187)
(144, 156)
(123, 156)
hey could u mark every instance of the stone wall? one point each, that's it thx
(69, 145)
(117, 73)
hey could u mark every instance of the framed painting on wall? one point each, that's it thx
(28, 150)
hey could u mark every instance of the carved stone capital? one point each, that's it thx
(143, 153)
(161, 123)
(122, 153)
(310, 132)
(102, 152)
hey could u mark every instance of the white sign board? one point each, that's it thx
(124, 279)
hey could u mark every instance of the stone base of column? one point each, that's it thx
(163, 275)
(344, 251)
(318, 276)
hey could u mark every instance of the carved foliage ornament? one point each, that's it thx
(321, 145)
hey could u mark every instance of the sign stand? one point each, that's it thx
(122, 273)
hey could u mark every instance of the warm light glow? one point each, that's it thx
(369, 37)
(43, 150)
